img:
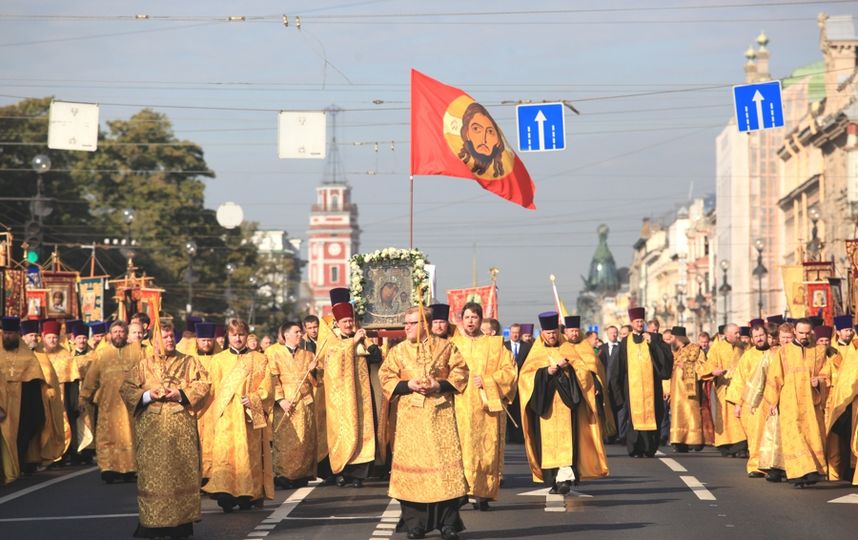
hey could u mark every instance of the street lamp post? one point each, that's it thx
(680, 305)
(700, 302)
(759, 272)
(253, 282)
(191, 249)
(230, 268)
(814, 246)
(725, 286)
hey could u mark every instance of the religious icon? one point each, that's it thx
(819, 299)
(388, 289)
(476, 139)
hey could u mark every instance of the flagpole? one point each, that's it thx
(411, 214)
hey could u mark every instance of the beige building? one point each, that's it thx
(819, 155)
(668, 258)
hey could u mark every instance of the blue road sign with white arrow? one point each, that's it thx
(541, 127)
(758, 106)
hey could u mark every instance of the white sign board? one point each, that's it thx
(73, 126)
(301, 135)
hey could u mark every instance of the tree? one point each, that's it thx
(139, 165)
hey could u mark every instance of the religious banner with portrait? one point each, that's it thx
(62, 294)
(150, 302)
(486, 296)
(794, 289)
(852, 285)
(453, 135)
(37, 303)
(12, 292)
(385, 283)
(91, 291)
(819, 300)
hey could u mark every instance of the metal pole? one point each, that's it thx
(411, 213)
(190, 305)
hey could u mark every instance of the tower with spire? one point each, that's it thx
(334, 234)
(603, 280)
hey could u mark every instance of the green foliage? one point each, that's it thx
(139, 165)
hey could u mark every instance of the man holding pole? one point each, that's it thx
(481, 409)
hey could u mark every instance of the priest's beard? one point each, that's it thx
(119, 342)
(805, 342)
(10, 343)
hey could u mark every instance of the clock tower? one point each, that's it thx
(334, 234)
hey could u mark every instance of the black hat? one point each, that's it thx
(678, 331)
(339, 295)
(816, 321)
(77, 328)
(548, 320)
(842, 322)
(572, 321)
(440, 312)
(29, 327)
(721, 328)
(205, 330)
(745, 331)
(776, 319)
(11, 324)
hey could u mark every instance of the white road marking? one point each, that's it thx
(37, 487)
(852, 498)
(697, 488)
(673, 464)
(389, 519)
(554, 502)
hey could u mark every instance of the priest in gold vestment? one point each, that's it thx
(204, 351)
(83, 429)
(686, 421)
(795, 388)
(114, 432)
(481, 408)
(294, 435)
(68, 379)
(563, 441)
(420, 378)
(842, 417)
(636, 384)
(24, 388)
(242, 398)
(835, 434)
(587, 355)
(162, 393)
(720, 368)
(349, 421)
(52, 440)
(735, 396)
(767, 432)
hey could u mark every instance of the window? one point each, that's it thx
(335, 274)
(335, 202)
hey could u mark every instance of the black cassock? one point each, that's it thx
(32, 419)
(643, 443)
(564, 383)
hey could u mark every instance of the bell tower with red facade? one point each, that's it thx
(334, 235)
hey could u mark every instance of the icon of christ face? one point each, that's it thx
(482, 145)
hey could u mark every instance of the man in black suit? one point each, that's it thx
(609, 355)
(519, 350)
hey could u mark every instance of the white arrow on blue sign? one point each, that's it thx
(541, 127)
(758, 106)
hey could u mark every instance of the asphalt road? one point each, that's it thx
(672, 496)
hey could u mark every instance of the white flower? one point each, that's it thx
(419, 263)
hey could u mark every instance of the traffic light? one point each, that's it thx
(33, 241)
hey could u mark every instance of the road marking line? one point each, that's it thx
(290, 503)
(110, 516)
(659, 453)
(852, 498)
(554, 502)
(389, 520)
(673, 464)
(697, 488)
(257, 534)
(37, 487)
(266, 526)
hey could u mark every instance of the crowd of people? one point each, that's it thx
(220, 413)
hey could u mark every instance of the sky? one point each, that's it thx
(651, 80)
